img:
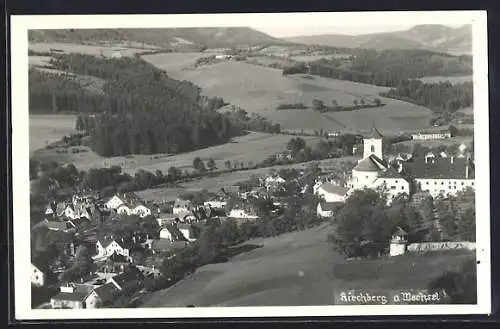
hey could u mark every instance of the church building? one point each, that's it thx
(372, 171)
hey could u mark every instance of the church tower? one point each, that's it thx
(372, 144)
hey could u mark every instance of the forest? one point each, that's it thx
(443, 98)
(140, 110)
(387, 68)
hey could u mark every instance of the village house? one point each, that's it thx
(114, 202)
(129, 278)
(442, 176)
(274, 182)
(428, 135)
(108, 247)
(216, 202)
(38, 274)
(187, 232)
(56, 225)
(181, 208)
(331, 193)
(242, 213)
(141, 210)
(101, 296)
(67, 299)
(325, 209)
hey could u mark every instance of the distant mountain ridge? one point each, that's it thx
(160, 37)
(438, 38)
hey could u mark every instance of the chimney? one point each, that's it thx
(467, 171)
(400, 167)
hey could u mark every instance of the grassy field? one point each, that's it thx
(254, 147)
(213, 184)
(261, 89)
(438, 142)
(295, 269)
(452, 80)
(45, 129)
(84, 49)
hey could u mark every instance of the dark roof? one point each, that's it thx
(118, 258)
(40, 264)
(327, 206)
(390, 173)
(56, 225)
(130, 275)
(70, 296)
(367, 164)
(334, 189)
(442, 168)
(106, 292)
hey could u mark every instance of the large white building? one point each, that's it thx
(373, 172)
(437, 175)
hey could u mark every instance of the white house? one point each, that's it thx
(114, 202)
(271, 182)
(49, 211)
(398, 242)
(69, 212)
(187, 232)
(241, 214)
(166, 234)
(181, 207)
(123, 209)
(37, 276)
(218, 204)
(107, 248)
(441, 134)
(332, 193)
(443, 176)
(141, 210)
(325, 209)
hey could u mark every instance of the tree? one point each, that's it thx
(355, 102)
(211, 164)
(453, 130)
(318, 104)
(174, 173)
(459, 287)
(377, 101)
(362, 101)
(295, 145)
(466, 226)
(199, 165)
(227, 163)
(363, 227)
(335, 104)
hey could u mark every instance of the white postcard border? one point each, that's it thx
(20, 25)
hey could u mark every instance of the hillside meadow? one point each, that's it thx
(214, 184)
(45, 129)
(299, 269)
(106, 50)
(254, 148)
(260, 90)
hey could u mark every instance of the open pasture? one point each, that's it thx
(254, 148)
(45, 129)
(452, 80)
(297, 269)
(260, 89)
(67, 48)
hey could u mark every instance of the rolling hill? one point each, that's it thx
(438, 38)
(159, 37)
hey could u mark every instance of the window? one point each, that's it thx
(36, 277)
(366, 177)
(442, 183)
(427, 183)
(372, 148)
(472, 183)
(393, 187)
(463, 183)
(402, 187)
(396, 181)
(435, 183)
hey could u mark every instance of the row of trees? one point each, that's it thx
(387, 68)
(363, 227)
(443, 98)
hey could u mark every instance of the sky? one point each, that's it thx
(283, 32)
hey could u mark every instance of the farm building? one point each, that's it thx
(442, 134)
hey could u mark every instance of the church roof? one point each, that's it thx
(334, 189)
(390, 173)
(375, 134)
(371, 163)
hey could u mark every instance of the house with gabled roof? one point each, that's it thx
(114, 202)
(108, 247)
(101, 296)
(325, 209)
(128, 278)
